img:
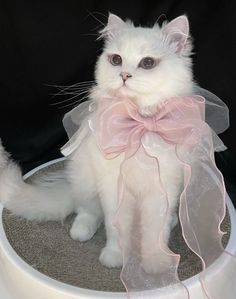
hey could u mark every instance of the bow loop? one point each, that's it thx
(120, 126)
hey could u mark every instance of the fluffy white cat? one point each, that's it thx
(148, 65)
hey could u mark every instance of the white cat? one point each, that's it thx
(148, 65)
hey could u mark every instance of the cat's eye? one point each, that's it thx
(115, 59)
(147, 63)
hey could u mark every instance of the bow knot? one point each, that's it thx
(120, 127)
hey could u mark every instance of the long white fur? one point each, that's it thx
(90, 186)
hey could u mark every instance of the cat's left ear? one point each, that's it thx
(177, 32)
(114, 24)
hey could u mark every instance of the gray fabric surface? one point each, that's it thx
(48, 248)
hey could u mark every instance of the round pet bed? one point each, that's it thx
(42, 258)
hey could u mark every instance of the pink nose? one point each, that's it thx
(125, 76)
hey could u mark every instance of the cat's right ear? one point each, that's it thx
(114, 24)
(177, 32)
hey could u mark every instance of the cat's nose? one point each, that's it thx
(125, 76)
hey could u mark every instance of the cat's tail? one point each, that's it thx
(49, 199)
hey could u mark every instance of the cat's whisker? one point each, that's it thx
(74, 103)
(71, 93)
(74, 85)
(74, 89)
(65, 87)
(85, 97)
(67, 93)
(95, 18)
(71, 98)
(90, 34)
(82, 83)
(100, 13)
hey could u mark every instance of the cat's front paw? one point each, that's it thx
(111, 257)
(81, 233)
(84, 227)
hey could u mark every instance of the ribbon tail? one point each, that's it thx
(149, 265)
(75, 141)
(77, 125)
(201, 212)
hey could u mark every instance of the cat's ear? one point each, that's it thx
(114, 24)
(177, 32)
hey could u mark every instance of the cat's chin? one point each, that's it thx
(144, 108)
(125, 91)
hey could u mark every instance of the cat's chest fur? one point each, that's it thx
(89, 158)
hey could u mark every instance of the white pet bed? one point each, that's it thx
(20, 278)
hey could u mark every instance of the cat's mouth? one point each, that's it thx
(125, 90)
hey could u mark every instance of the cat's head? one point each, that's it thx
(149, 65)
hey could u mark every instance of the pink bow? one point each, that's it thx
(120, 126)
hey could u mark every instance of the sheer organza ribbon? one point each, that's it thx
(144, 200)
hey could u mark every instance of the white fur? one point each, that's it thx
(93, 179)
(33, 201)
